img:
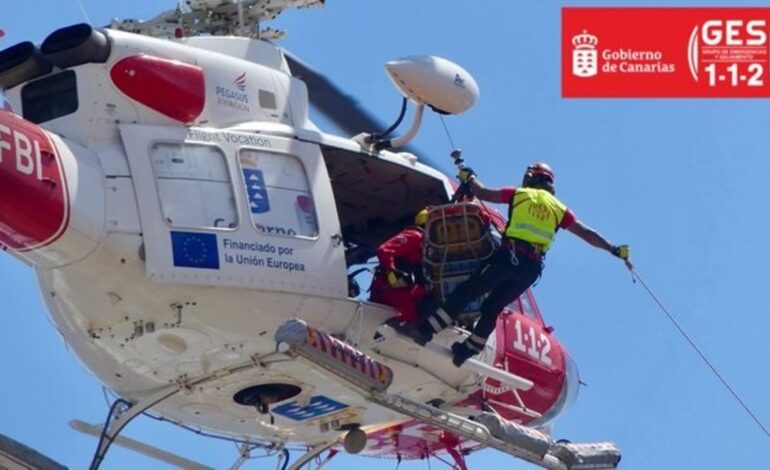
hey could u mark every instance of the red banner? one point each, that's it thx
(665, 52)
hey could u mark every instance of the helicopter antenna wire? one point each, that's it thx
(446, 129)
(83, 10)
(705, 359)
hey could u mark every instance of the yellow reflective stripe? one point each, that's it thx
(478, 340)
(441, 313)
(435, 324)
(535, 230)
(474, 345)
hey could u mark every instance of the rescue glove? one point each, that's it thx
(398, 279)
(622, 251)
(466, 174)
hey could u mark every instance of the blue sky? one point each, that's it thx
(681, 181)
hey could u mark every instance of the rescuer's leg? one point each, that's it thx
(377, 289)
(438, 319)
(405, 301)
(506, 292)
(496, 271)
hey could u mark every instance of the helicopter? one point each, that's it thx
(173, 237)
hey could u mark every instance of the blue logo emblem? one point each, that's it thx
(195, 250)
(257, 191)
(459, 81)
(318, 406)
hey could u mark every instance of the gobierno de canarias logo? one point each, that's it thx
(693, 52)
(586, 59)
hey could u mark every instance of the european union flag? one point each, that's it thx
(319, 405)
(195, 250)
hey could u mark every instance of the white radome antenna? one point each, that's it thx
(431, 81)
(434, 81)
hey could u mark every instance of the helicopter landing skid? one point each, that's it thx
(120, 414)
(140, 447)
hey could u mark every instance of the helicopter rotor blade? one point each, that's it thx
(342, 109)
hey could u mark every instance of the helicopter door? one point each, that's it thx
(236, 209)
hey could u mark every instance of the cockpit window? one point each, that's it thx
(526, 307)
(50, 97)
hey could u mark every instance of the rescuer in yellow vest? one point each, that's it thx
(534, 216)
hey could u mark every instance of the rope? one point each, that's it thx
(449, 136)
(695, 347)
(83, 10)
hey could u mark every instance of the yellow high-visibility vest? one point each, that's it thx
(533, 216)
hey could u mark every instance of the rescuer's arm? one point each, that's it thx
(468, 176)
(387, 254)
(484, 193)
(594, 238)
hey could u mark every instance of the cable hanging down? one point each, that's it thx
(448, 135)
(700, 353)
(83, 10)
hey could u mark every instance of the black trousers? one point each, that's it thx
(505, 277)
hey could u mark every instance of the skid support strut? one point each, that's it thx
(311, 453)
(121, 413)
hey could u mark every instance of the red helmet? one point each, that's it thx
(540, 168)
(539, 175)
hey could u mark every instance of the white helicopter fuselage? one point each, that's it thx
(170, 265)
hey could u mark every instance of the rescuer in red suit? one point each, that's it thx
(398, 281)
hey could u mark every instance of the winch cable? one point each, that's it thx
(462, 191)
(635, 275)
(448, 135)
(83, 10)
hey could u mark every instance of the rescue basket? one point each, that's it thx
(458, 240)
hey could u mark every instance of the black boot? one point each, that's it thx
(416, 332)
(461, 353)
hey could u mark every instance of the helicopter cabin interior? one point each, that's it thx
(376, 198)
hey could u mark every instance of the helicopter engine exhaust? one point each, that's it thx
(20, 63)
(76, 45)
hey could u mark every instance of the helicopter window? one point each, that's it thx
(194, 186)
(50, 97)
(526, 306)
(279, 195)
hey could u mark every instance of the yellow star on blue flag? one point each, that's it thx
(195, 250)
